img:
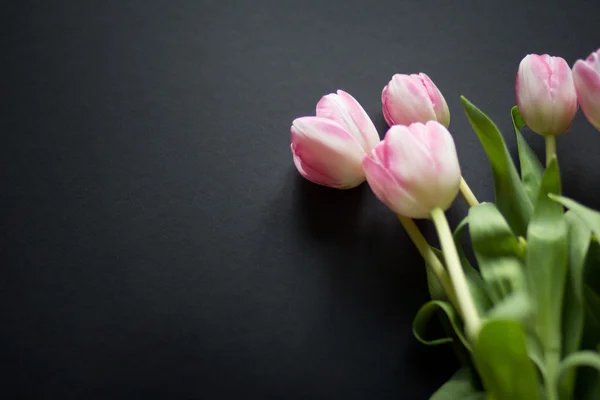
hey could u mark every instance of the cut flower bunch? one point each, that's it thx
(525, 320)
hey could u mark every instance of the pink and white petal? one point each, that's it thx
(532, 93)
(593, 61)
(311, 174)
(563, 95)
(385, 106)
(331, 107)
(386, 188)
(442, 149)
(408, 157)
(440, 107)
(396, 95)
(346, 111)
(408, 101)
(587, 83)
(324, 146)
(448, 172)
(361, 120)
(328, 132)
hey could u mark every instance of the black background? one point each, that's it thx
(156, 239)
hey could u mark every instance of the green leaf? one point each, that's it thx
(591, 275)
(436, 291)
(531, 167)
(517, 119)
(589, 216)
(547, 260)
(588, 383)
(535, 352)
(501, 358)
(592, 316)
(459, 386)
(592, 303)
(458, 242)
(579, 236)
(511, 198)
(497, 251)
(589, 359)
(424, 315)
(477, 286)
(580, 359)
(515, 306)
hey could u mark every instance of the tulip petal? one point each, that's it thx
(405, 103)
(546, 94)
(531, 89)
(346, 111)
(414, 169)
(441, 145)
(389, 192)
(407, 156)
(325, 153)
(418, 109)
(440, 107)
(386, 105)
(587, 83)
(413, 98)
(310, 173)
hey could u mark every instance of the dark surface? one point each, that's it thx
(156, 239)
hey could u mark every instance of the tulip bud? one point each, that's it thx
(413, 98)
(414, 169)
(546, 94)
(328, 149)
(586, 75)
(327, 154)
(346, 111)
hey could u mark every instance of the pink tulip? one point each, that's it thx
(346, 111)
(586, 75)
(414, 169)
(413, 98)
(546, 94)
(328, 149)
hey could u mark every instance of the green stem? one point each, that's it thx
(431, 259)
(467, 193)
(552, 363)
(457, 275)
(550, 148)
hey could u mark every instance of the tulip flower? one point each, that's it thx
(413, 98)
(415, 169)
(546, 94)
(346, 111)
(328, 149)
(586, 75)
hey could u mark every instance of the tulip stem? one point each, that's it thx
(550, 148)
(431, 259)
(457, 274)
(467, 193)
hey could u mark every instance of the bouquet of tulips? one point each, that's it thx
(525, 320)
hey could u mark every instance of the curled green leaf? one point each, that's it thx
(584, 358)
(424, 315)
